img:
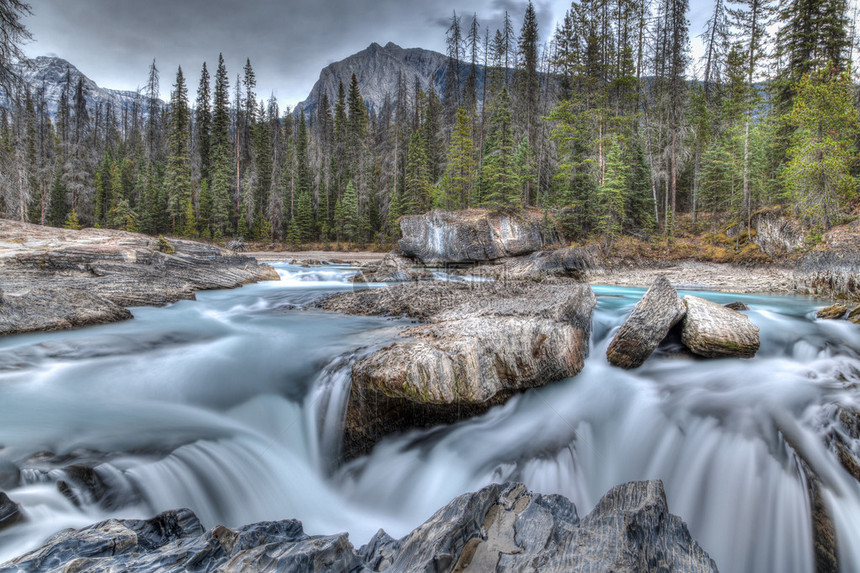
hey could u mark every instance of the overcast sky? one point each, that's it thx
(288, 41)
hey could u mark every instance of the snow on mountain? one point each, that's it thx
(49, 73)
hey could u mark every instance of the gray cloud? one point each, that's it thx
(287, 41)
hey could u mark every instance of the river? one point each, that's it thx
(230, 405)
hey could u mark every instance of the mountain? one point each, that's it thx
(377, 69)
(50, 73)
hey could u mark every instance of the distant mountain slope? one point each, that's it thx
(377, 69)
(50, 73)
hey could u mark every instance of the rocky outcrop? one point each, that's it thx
(833, 268)
(440, 237)
(482, 344)
(57, 278)
(499, 528)
(776, 233)
(714, 331)
(648, 324)
(10, 513)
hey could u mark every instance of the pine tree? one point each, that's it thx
(349, 213)
(416, 199)
(822, 153)
(612, 194)
(177, 178)
(462, 165)
(500, 182)
(203, 122)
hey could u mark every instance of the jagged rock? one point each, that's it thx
(854, 315)
(393, 268)
(499, 528)
(659, 309)
(10, 513)
(832, 312)
(833, 269)
(441, 237)
(507, 528)
(714, 331)
(58, 278)
(737, 305)
(483, 343)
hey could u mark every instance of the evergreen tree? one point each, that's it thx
(349, 213)
(203, 121)
(500, 182)
(177, 178)
(822, 152)
(462, 165)
(612, 194)
(417, 191)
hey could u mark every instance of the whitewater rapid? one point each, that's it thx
(231, 406)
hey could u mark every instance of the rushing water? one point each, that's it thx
(231, 405)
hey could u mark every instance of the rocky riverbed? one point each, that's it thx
(52, 279)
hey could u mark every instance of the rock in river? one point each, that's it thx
(10, 513)
(653, 316)
(440, 237)
(714, 331)
(503, 527)
(482, 344)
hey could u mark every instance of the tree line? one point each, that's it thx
(610, 128)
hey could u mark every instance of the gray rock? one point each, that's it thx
(58, 278)
(499, 528)
(482, 344)
(10, 513)
(659, 309)
(507, 528)
(737, 305)
(468, 236)
(714, 331)
(393, 268)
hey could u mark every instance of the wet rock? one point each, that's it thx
(393, 268)
(737, 305)
(659, 309)
(714, 331)
(499, 528)
(467, 236)
(832, 312)
(58, 278)
(10, 513)
(507, 528)
(854, 315)
(482, 344)
(568, 262)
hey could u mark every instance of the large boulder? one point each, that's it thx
(393, 268)
(482, 344)
(653, 316)
(440, 237)
(714, 331)
(502, 527)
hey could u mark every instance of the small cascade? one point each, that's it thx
(325, 408)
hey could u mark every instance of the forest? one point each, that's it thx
(611, 129)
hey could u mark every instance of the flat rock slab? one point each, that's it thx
(58, 278)
(659, 309)
(502, 527)
(714, 331)
(481, 344)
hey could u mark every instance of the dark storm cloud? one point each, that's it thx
(288, 42)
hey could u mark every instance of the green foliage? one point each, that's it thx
(823, 151)
(72, 221)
